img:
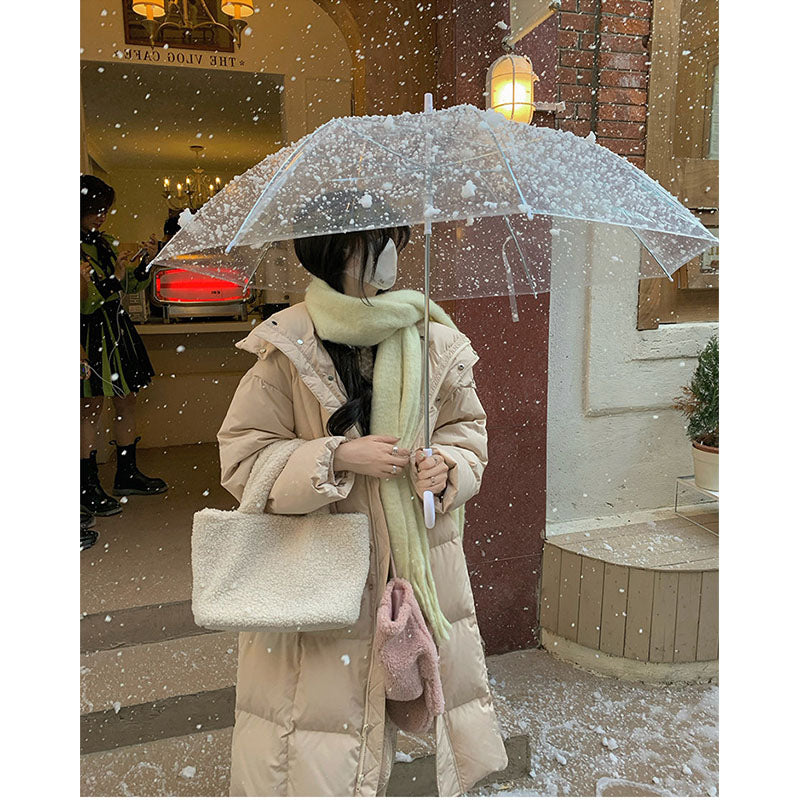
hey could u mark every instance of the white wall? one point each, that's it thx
(298, 40)
(302, 44)
(614, 445)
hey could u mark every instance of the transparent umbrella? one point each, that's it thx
(498, 188)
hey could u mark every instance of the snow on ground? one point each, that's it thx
(597, 736)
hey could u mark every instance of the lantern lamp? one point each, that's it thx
(509, 87)
(237, 8)
(150, 9)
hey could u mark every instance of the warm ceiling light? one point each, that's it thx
(509, 87)
(191, 17)
(150, 9)
(237, 8)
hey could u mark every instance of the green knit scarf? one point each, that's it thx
(390, 322)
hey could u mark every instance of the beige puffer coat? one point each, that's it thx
(310, 707)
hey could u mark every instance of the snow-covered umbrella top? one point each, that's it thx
(455, 164)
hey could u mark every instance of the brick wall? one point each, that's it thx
(602, 73)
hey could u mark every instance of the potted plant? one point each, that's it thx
(699, 403)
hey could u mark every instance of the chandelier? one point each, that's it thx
(192, 190)
(192, 15)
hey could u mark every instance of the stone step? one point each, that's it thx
(157, 716)
(149, 673)
(417, 777)
(554, 718)
(155, 690)
(194, 765)
(198, 765)
(143, 556)
(161, 719)
(124, 627)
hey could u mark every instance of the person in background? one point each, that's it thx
(171, 227)
(88, 536)
(116, 364)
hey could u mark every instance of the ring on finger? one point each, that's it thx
(395, 450)
(394, 469)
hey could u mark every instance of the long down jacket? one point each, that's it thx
(310, 707)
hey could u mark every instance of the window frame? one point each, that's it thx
(691, 296)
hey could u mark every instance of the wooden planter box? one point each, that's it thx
(638, 601)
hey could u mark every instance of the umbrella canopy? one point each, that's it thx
(473, 170)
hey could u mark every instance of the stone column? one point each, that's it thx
(504, 533)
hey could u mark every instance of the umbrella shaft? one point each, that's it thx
(425, 340)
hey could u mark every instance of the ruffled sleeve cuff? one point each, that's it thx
(324, 479)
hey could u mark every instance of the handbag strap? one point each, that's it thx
(269, 464)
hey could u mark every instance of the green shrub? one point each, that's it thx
(699, 402)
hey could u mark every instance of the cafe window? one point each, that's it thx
(683, 151)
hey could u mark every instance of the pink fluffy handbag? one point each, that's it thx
(413, 686)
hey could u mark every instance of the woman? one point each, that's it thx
(115, 363)
(311, 707)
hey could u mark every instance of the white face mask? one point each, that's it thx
(385, 269)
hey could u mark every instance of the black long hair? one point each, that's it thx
(97, 196)
(326, 257)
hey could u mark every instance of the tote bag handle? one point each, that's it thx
(269, 464)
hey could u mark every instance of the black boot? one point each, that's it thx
(129, 480)
(93, 498)
(88, 537)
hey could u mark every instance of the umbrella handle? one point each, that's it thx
(427, 499)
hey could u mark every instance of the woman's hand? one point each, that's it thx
(430, 474)
(86, 278)
(150, 247)
(123, 262)
(371, 455)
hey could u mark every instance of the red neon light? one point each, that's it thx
(183, 286)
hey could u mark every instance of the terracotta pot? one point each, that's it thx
(706, 466)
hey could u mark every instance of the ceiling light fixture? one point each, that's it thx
(197, 16)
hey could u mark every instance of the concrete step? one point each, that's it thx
(157, 710)
(417, 777)
(567, 732)
(198, 765)
(157, 690)
(195, 765)
(157, 716)
(150, 673)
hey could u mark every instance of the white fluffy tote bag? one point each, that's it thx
(254, 571)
